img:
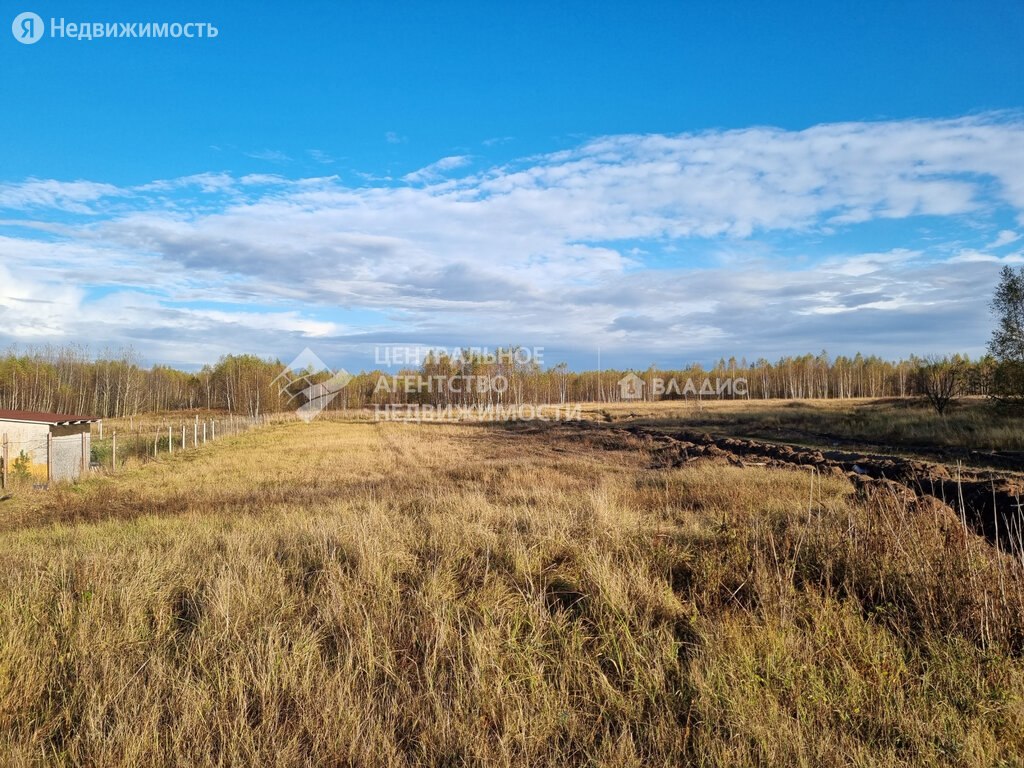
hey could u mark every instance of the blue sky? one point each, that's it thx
(666, 181)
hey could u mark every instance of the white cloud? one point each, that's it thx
(70, 196)
(970, 255)
(436, 171)
(321, 157)
(34, 310)
(546, 248)
(270, 155)
(869, 263)
(1005, 237)
(206, 182)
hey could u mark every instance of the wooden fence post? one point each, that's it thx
(204, 433)
(49, 455)
(183, 437)
(170, 441)
(195, 433)
(113, 451)
(6, 457)
(85, 458)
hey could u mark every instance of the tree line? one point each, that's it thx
(67, 380)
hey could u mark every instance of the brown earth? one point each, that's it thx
(990, 501)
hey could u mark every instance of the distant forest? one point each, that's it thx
(67, 380)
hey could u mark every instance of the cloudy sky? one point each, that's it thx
(666, 184)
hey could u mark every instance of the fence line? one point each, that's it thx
(112, 447)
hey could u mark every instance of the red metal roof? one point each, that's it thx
(45, 418)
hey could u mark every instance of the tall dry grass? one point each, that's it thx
(975, 422)
(390, 594)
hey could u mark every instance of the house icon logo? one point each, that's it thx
(631, 387)
(309, 377)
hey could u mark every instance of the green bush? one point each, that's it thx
(21, 467)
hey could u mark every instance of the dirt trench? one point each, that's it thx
(988, 500)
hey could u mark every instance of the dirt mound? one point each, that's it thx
(990, 503)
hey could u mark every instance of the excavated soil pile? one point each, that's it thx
(991, 502)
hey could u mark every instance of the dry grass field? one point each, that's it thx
(907, 423)
(370, 594)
